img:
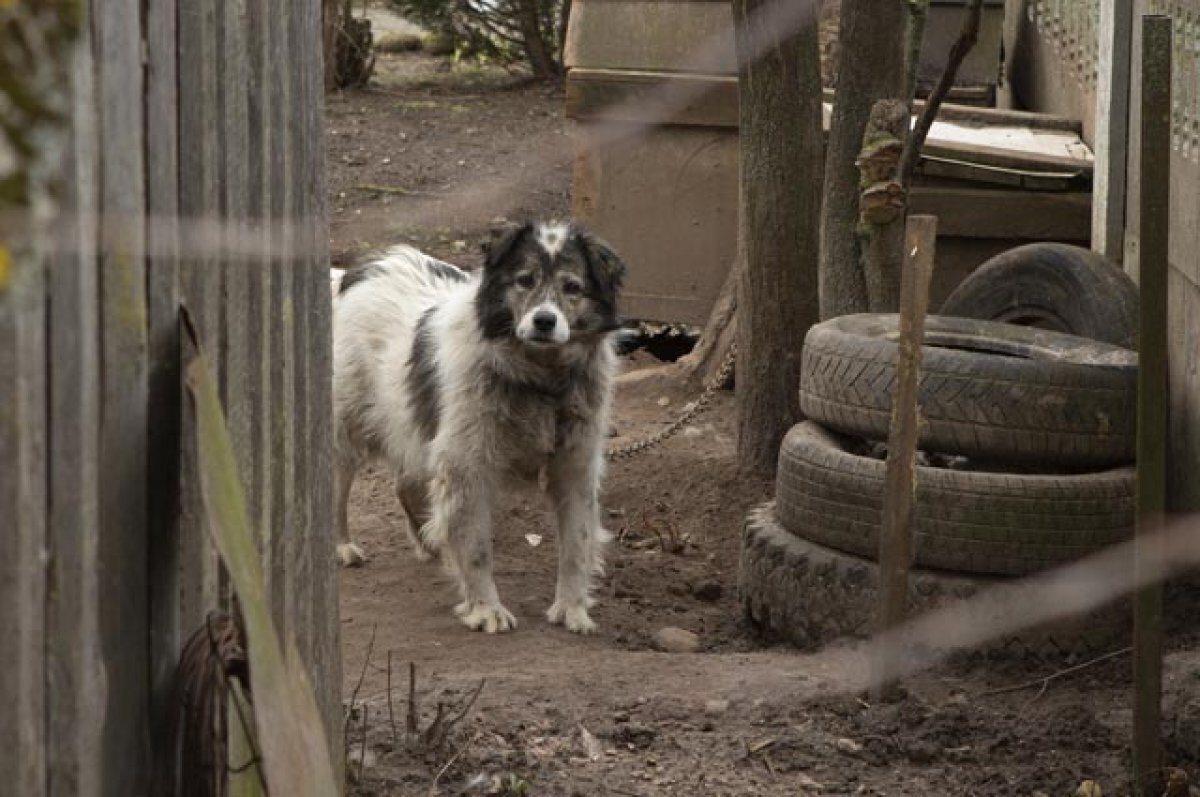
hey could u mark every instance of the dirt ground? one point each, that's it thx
(449, 149)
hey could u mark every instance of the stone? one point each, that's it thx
(676, 640)
(715, 708)
(848, 746)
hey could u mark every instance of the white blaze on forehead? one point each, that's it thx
(552, 236)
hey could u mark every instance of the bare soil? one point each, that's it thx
(561, 714)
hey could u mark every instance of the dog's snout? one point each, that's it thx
(544, 324)
(544, 321)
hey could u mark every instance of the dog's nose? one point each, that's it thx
(544, 321)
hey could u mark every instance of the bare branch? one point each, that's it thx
(966, 40)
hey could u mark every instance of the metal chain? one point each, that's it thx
(686, 417)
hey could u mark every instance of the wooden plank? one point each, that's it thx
(900, 477)
(326, 638)
(162, 286)
(1154, 215)
(637, 34)
(303, 163)
(76, 715)
(652, 97)
(952, 168)
(199, 278)
(122, 545)
(592, 92)
(23, 549)
(279, 550)
(238, 379)
(994, 213)
(259, 143)
(1002, 157)
(1112, 128)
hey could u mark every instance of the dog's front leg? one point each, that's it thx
(461, 526)
(574, 480)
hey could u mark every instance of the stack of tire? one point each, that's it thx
(1026, 444)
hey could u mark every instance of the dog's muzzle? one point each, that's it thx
(544, 324)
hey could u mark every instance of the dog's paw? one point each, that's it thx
(422, 554)
(350, 555)
(573, 618)
(489, 618)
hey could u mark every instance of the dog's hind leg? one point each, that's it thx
(348, 553)
(573, 483)
(460, 526)
(414, 497)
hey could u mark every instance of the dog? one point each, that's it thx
(464, 382)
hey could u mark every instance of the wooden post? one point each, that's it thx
(895, 533)
(1155, 185)
(1112, 129)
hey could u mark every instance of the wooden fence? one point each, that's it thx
(1081, 58)
(186, 166)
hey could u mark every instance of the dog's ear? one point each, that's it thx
(607, 267)
(502, 239)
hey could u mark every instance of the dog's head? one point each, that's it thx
(548, 284)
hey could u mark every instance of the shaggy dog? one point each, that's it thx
(462, 382)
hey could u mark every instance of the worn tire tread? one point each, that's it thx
(966, 521)
(977, 404)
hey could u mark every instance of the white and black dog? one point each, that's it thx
(460, 382)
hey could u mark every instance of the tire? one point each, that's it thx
(1053, 286)
(809, 595)
(988, 391)
(965, 521)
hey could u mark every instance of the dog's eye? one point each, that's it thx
(525, 281)
(572, 288)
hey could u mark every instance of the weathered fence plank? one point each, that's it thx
(200, 275)
(22, 493)
(235, 200)
(280, 549)
(325, 619)
(162, 297)
(74, 654)
(302, 147)
(258, 264)
(123, 405)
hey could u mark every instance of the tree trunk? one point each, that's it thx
(700, 364)
(883, 203)
(564, 19)
(871, 66)
(779, 85)
(543, 64)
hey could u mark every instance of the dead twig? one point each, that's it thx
(361, 676)
(1044, 682)
(411, 726)
(386, 189)
(438, 732)
(445, 767)
(916, 140)
(391, 710)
